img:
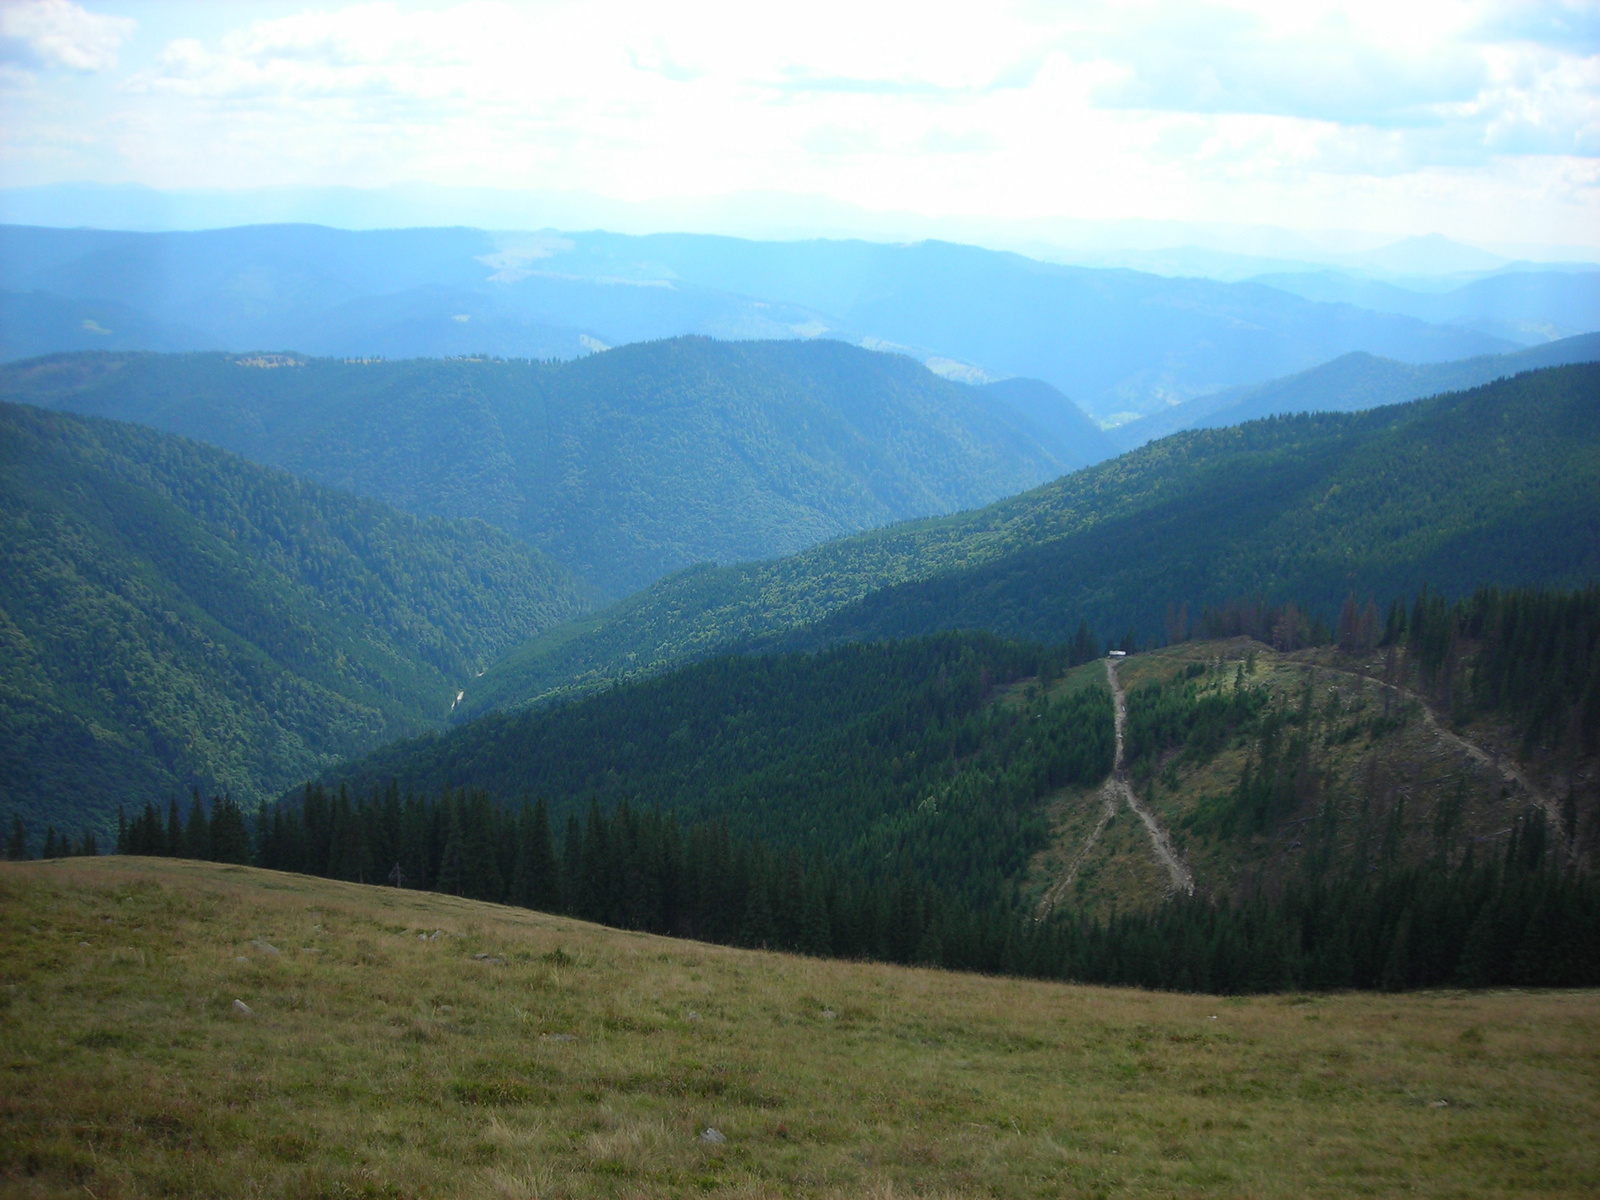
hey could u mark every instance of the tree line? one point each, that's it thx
(900, 891)
(1516, 918)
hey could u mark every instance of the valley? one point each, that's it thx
(876, 601)
(175, 618)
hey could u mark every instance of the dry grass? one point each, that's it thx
(380, 1064)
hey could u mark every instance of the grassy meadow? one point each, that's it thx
(404, 1044)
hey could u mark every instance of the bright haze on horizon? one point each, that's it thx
(1479, 121)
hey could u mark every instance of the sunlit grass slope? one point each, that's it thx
(386, 1056)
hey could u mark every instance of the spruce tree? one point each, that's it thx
(197, 833)
(173, 843)
(450, 860)
(757, 930)
(572, 866)
(1478, 966)
(17, 843)
(816, 932)
(539, 861)
(480, 861)
(230, 841)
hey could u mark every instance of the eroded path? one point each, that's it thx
(1113, 792)
(1182, 878)
(1108, 799)
(1505, 767)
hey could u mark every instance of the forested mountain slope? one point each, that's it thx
(1406, 799)
(622, 466)
(889, 760)
(171, 615)
(1073, 437)
(1351, 383)
(1494, 484)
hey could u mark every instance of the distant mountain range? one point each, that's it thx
(622, 466)
(1118, 342)
(173, 616)
(1527, 306)
(1496, 484)
(1350, 383)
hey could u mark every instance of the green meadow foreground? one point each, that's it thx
(406, 1044)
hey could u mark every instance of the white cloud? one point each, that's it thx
(1313, 111)
(58, 33)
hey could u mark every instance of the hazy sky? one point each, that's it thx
(1479, 120)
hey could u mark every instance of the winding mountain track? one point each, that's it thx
(1507, 769)
(1115, 790)
(1108, 799)
(1182, 878)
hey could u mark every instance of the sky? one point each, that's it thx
(1478, 120)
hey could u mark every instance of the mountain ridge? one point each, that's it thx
(1115, 340)
(623, 466)
(1527, 508)
(1350, 383)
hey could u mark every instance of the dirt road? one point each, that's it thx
(1508, 770)
(1114, 791)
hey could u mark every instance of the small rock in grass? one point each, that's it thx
(693, 1016)
(243, 1009)
(241, 958)
(1441, 1104)
(713, 1137)
(557, 1037)
(265, 947)
(493, 960)
(828, 1014)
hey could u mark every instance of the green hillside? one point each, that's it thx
(171, 615)
(622, 466)
(1343, 814)
(1350, 383)
(885, 759)
(1497, 484)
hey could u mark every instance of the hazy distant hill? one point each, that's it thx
(1113, 340)
(624, 466)
(173, 615)
(35, 323)
(1527, 305)
(1072, 436)
(1493, 485)
(1351, 383)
